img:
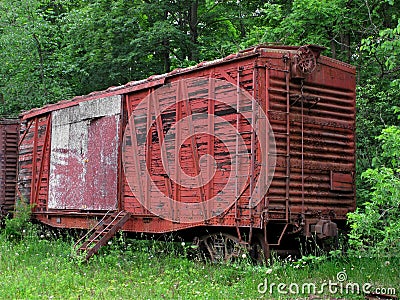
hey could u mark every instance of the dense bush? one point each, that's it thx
(375, 226)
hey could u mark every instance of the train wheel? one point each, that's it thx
(222, 247)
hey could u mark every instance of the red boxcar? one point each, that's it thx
(243, 150)
(8, 164)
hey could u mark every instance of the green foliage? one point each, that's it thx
(375, 102)
(376, 225)
(19, 226)
(292, 28)
(29, 36)
(385, 49)
(132, 269)
(53, 50)
(390, 139)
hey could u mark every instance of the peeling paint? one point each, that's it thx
(84, 155)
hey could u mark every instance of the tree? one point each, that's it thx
(29, 37)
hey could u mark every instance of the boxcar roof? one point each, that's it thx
(156, 80)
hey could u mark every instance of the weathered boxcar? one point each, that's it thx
(8, 164)
(244, 150)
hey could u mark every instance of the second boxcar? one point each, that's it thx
(9, 130)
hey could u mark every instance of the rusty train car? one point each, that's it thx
(245, 151)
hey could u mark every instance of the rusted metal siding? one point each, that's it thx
(84, 155)
(9, 130)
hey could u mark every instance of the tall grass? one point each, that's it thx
(39, 267)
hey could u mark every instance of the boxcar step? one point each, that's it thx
(104, 231)
(93, 241)
(98, 233)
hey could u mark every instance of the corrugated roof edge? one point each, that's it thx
(340, 63)
(153, 80)
(135, 85)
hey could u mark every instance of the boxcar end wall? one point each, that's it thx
(9, 129)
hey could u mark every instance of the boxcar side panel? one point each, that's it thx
(250, 79)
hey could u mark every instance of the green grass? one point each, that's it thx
(36, 268)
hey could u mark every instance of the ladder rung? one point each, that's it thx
(277, 206)
(244, 132)
(278, 112)
(279, 176)
(278, 154)
(278, 214)
(280, 133)
(277, 210)
(278, 90)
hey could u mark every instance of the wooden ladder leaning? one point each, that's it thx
(101, 233)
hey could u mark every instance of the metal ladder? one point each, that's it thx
(238, 154)
(101, 233)
(282, 211)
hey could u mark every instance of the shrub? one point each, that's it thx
(375, 226)
(20, 225)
